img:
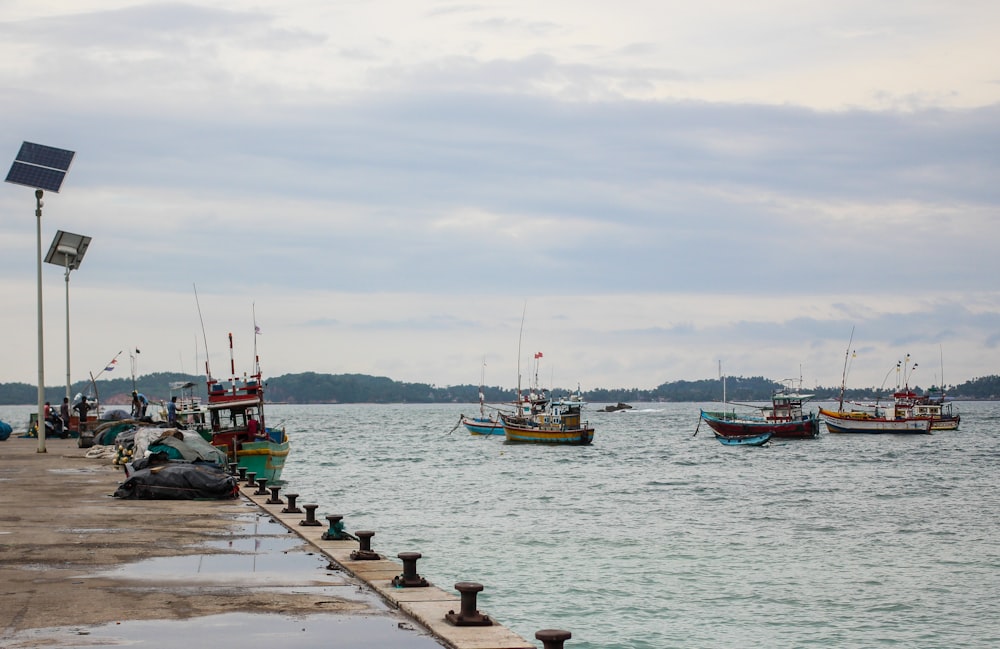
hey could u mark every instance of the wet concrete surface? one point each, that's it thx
(79, 568)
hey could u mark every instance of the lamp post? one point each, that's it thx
(41, 167)
(67, 250)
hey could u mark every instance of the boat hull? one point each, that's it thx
(482, 426)
(859, 422)
(266, 459)
(744, 440)
(538, 435)
(729, 426)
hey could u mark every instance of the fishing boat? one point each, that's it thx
(191, 412)
(237, 423)
(873, 418)
(941, 412)
(549, 421)
(877, 421)
(783, 419)
(758, 439)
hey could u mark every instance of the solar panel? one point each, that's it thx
(42, 167)
(45, 156)
(39, 177)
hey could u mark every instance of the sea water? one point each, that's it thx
(657, 537)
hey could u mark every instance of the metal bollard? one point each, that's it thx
(336, 531)
(310, 519)
(251, 477)
(261, 487)
(468, 616)
(291, 508)
(232, 468)
(274, 499)
(364, 551)
(552, 638)
(243, 473)
(409, 578)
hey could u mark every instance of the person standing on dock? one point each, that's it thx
(172, 411)
(83, 408)
(64, 414)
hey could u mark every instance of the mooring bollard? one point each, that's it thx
(553, 638)
(274, 499)
(409, 578)
(364, 551)
(251, 477)
(310, 519)
(261, 487)
(243, 473)
(336, 531)
(232, 468)
(468, 616)
(291, 508)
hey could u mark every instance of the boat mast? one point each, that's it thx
(843, 378)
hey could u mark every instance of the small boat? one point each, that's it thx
(549, 421)
(484, 424)
(236, 422)
(615, 408)
(758, 439)
(784, 419)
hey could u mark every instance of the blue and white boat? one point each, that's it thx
(756, 439)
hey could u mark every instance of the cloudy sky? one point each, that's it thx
(389, 186)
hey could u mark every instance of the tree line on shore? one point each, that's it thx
(311, 387)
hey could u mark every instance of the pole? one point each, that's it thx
(41, 351)
(67, 329)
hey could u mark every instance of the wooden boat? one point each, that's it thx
(863, 421)
(191, 412)
(873, 419)
(484, 424)
(757, 439)
(783, 419)
(912, 404)
(549, 422)
(237, 424)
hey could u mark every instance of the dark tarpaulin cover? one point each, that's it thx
(179, 481)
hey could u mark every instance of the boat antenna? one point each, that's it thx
(208, 372)
(843, 378)
(256, 332)
(520, 337)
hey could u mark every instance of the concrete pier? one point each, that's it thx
(81, 568)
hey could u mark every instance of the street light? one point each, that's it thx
(67, 250)
(41, 167)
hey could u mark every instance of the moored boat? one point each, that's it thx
(753, 439)
(484, 424)
(863, 421)
(236, 423)
(549, 421)
(941, 413)
(783, 418)
(874, 419)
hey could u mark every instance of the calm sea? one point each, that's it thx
(653, 537)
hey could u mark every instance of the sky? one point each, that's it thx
(644, 192)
